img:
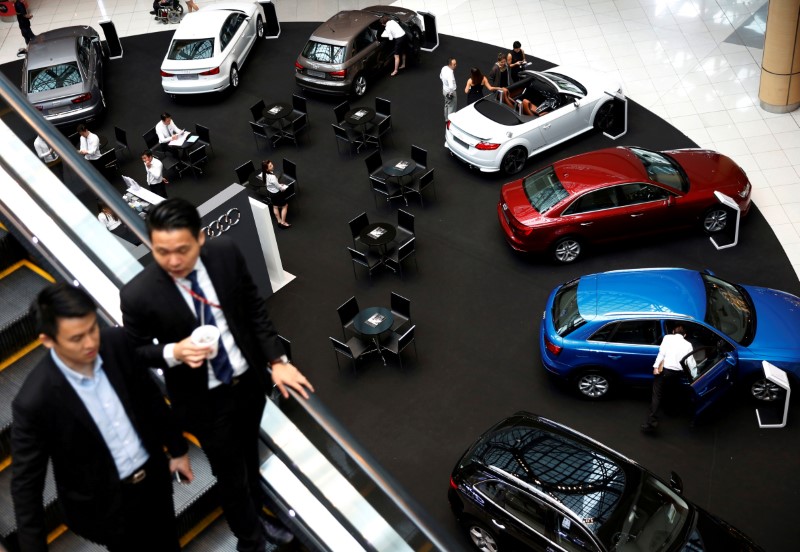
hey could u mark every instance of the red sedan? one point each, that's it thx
(617, 193)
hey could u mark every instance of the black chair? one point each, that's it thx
(122, 140)
(203, 136)
(288, 193)
(151, 140)
(340, 111)
(401, 311)
(418, 186)
(289, 175)
(107, 162)
(420, 157)
(368, 260)
(356, 226)
(376, 134)
(244, 172)
(347, 315)
(397, 342)
(374, 163)
(397, 256)
(345, 135)
(298, 107)
(257, 111)
(297, 126)
(260, 131)
(353, 349)
(196, 157)
(383, 109)
(388, 189)
(405, 227)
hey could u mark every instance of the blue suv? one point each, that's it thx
(604, 329)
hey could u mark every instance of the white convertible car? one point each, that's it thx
(491, 136)
(210, 46)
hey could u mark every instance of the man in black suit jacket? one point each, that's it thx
(92, 409)
(220, 400)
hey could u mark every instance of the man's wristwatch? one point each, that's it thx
(283, 359)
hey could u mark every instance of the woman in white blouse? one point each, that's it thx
(276, 191)
(114, 225)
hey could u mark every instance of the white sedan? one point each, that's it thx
(561, 102)
(210, 46)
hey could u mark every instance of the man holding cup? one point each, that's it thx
(219, 397)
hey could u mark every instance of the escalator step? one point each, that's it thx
(70, 542)
(11, 251)
(19, 285)
(8, 523)
(11, 379)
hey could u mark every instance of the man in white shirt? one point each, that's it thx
(44, 151)
(89, 144)
(393, 31)
(166, 129)
(155, 177)
(449, 87)
(667, 371)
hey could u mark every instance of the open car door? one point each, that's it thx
(710, 371)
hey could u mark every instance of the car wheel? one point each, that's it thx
(234, 77)
(481, 537)
(604, 119)
(715, 220)
(764, 390)
(259, 27)
(359, 85)
(567, 250)
(593, 385)
(514, 160)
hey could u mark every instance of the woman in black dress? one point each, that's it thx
(276, 191)
(475, 85)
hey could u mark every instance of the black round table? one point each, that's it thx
(399, 167)
(378, 234)
(276, 112)
(371, 322)
(359, 116)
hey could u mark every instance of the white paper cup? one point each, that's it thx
(207, 336)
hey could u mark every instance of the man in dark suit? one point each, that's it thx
(220, 400)
(92, 410)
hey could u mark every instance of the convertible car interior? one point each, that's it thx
(534, 89)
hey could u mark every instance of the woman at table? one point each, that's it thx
(475, 85)
(277, 192)
(114, 225)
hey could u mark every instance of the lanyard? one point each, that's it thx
(196, 296)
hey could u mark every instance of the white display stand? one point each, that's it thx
(278, 277)
(779, 378)
(142, 192)
(620, 98)
(727, 201)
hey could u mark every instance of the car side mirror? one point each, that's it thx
(670, 201)
(577, 103)
(675, 482)
(730, 360)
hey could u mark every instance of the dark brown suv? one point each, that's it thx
(347, 51)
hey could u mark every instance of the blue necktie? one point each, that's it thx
(220, 363)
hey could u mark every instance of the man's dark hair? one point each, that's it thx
(165, 116)
(60, 301)
(517, 44)
(678, 329)
(148, 152)
(174, 214)
(81, 129)
(384, 20)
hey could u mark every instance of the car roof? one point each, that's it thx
(647, 291)
(344, 26)
(56, 46)
(600, 169)
(207, 22)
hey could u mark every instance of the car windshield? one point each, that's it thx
(729, 309)
(201, 48)
(624, 506)
(324, 53)
(567, 84)
(566, 316)
(544, 189)
(53, 77)
(661, 168)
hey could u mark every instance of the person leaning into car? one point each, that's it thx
(393, 31)
(667, 371)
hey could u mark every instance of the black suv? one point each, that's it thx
(532, 484)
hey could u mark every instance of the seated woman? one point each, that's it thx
(114, 225)
(276, 191)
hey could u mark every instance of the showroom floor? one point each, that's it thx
(693, 62)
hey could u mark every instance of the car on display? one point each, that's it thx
(603, 330)
(491, 136)
(346, 53)
(62, 75)
(210, 47)
(618, 193)
(530, 483)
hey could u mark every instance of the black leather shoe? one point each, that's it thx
(648, 428)
(153, 12)
(276, 531)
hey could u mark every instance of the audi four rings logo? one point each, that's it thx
(223, 223)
